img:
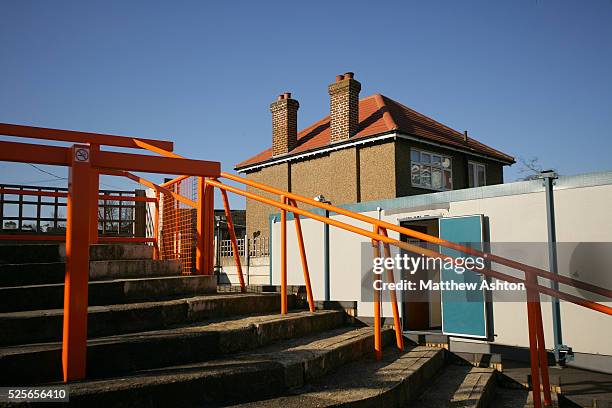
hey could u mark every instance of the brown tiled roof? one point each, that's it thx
(377, 115)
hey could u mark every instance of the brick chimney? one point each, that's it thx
(344, 107)
(284, 124)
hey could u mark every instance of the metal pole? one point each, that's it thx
(377, 327)
(283, 257)
(247, 256)
(326, 259)
(549, 176)
(156, 226)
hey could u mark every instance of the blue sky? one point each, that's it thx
(531, 78)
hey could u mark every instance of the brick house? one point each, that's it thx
(366, 149)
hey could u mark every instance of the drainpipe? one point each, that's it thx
(326, 259)
(560, 351)
(326, 278)
(272, 221)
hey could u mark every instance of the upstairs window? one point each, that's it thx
(477, 176)
(431, 170)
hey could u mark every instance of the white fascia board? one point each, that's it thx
(338, 146)
(329, 148)
(443, 146)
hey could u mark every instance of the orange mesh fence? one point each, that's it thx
(177, 223)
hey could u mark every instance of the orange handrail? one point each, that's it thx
(174, 181)
(409, 247)
(230, 227)
(150, 184)
(425, 237)
(82, 137)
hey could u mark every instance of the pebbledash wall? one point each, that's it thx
(516, 212)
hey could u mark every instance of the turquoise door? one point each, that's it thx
(464, 312)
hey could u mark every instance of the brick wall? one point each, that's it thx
(284, 124)
(342, 176)
(257, 213)
(344, 107)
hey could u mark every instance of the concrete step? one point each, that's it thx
(486, 360)
(393, 381)
(511, 398)
(106, 356)
(476, 390)
(30, 253)
(134, 268)
(243, 377)
(39, 297)
(46, 325)
(519, 398)
(113, 252)
(459, 386)
(48, 273)
(45, 253)
(31, 273)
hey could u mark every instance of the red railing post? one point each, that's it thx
(205, 228)
(232, 232)
(95, 191)
(156, 226)
(534, 355)
(74, 342)
(209, 229)
(541, 344)
(283, 257)
(399, 338)
(300, 239)
(543, 356)
(377, 328)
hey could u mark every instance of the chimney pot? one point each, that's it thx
(349, 75)
(287, 95)
(465, 136)
(339, 78)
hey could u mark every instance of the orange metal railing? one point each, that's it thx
(539, 364)
(288, 202)
(86, 162)
(189, 200)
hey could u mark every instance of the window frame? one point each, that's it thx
(432, 167)
(473, 181)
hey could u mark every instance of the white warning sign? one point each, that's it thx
(81, 155)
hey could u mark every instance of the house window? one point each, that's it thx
(430, 170)
(477, 175)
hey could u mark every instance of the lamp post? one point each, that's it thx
(321, 198)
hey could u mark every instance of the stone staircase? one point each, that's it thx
(157, 338)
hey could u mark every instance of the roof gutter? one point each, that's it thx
(351, 143)
(457, 149)
(330, 148)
